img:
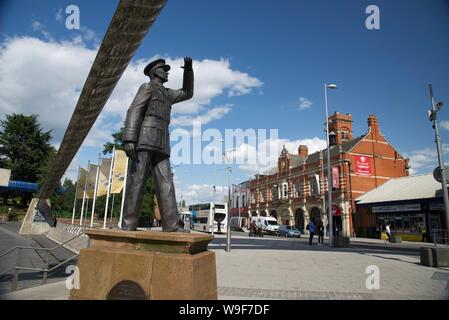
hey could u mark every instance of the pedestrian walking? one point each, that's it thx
(311, 228)
(423, 231)
(321, 233)
(388, 232)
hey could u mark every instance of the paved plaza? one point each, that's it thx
(281, 268)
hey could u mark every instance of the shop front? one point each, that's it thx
(411, 222)
(413, 206)
(406, 221)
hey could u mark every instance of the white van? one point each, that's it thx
(269, 224)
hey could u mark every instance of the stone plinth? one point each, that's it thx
(340, 242)
(434, 257)
(148, 265)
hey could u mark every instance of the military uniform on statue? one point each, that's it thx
(147, 144)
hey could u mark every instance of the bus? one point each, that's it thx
(201, 218)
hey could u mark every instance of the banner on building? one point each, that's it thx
(81, 183)
(91, 177)
(362, 166)
(335, 178)
(119, 171)
(336, 211)
(103, 178)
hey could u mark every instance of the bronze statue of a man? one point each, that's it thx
(147, 144)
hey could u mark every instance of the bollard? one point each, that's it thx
(15, 280)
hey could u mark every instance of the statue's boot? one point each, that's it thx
(179, 227)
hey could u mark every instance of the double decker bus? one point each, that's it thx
(208, 215)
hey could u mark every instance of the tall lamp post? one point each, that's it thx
(433, 119)
(329, 173)
(228, 226)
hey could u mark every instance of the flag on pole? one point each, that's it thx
(81, 183)
(103, 177)
(119, 171)
(91, 177)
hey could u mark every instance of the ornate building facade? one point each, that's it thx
(296, 191)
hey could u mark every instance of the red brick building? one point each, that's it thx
(294, 192)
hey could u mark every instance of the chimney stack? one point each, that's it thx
(303, 151)
(373, 125)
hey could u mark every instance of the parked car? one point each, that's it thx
(288, 231)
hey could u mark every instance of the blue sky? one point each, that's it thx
(259, 57)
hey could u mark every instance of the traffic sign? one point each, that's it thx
(437, 173)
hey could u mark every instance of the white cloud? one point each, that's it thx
(424, 160)
(197, 193)
(39, 27)
(59, 16)
(304, 103)
(210, 115)
(444, 125)
(46, 78)
(43, 78)
(269, 150)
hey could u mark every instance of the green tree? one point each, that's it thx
(62, 204)
(117, 142)
(24, 147)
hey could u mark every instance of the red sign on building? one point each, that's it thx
(335, 177)
(336, 211)
(362, 166)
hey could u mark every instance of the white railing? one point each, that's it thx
(440, 236)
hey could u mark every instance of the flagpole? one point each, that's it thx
(84, 194)
(76, 194)
(109, 189)
(112, 209)
(123, 195)
(95, 191)
(87, 208)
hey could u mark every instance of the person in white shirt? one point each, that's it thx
(388, 232)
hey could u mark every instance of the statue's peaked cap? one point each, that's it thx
(155, 63)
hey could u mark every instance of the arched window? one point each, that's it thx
(314, 185)
(285, 190)
(297, 188)
(274, 193)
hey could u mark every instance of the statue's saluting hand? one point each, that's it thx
(187, 64)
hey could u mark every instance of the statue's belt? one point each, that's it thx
(155, 121)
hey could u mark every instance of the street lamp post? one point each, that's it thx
(329, 173)
(228, 227)
(433, 119)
